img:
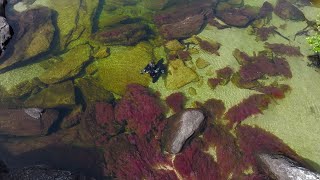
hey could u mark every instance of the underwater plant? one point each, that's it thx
(314, 41)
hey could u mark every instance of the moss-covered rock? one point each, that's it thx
(123, 67)
(74, 20)
(92, 92)
(179, 75)
(33, 36)
(56, 95)
(71, 65)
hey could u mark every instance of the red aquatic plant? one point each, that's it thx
(140, 109)
(254, 140)
(184, 55)
(214, 82)
(241, 57)
(193, 163)
(229, 157)
(133, 157)
(248, 107)
(211, 47)
(277, 92)
(225, 73)
(215, 108)
(176, 101)
(282, 49)
(262, 65)
(264, 33)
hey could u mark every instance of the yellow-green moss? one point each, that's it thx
(70, 66)
(123, 67)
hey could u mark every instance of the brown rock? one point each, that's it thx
(287, 11)
(18, 123)
(128, 34)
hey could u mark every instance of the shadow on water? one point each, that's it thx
(85, 161)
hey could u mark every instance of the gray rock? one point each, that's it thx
(34, 112)
(283, 168)
(5, 33)
(181, 127)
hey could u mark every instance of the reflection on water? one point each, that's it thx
(73, 95)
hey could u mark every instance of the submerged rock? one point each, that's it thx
(56, 95)
(5, 33)
(284, 168)
(181, 127)
(128, 34)
(71, 64)
(20, 122)
(287, 11)
(34, 32)
(123, 67)
(92, 92)
(183, 29)
(238, 17)
(179, 75)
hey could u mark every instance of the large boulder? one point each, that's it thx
(181, 127)
(33, 35)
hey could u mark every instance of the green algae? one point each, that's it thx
(56, 95)
(123, 67)
(71, 64)
(92, 92)
(179, 75)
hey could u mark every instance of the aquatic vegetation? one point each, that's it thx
(105, 117)
(127, 34)
(229, 157)
(282, 49)
(184, 55)
(238, 17)
(287, 11)
(251, 106)
(277, 92)
(140, 109)
(211, 47)
(260, 66)
(54, 96)
(214, 82)
(193, 163)
(264, 33)
(112, 71)
(33, 37)
(179, 75)
(92, 92)
(132, 157)
(314, 42)
(174, 45)
(201, 63)
(254, 140)
(214, 108)
(71, 64)
(176, 101)
(225, 74)
(241, 57)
